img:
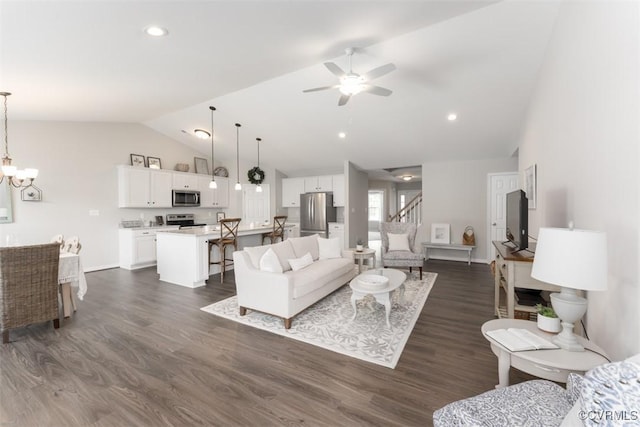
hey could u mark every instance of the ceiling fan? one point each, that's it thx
(352, 83)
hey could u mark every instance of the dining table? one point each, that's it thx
(71, 275)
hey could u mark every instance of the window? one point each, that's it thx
(376, 199)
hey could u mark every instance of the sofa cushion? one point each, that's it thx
(398, 242)
(270, 262)
(318, 274)
(284, 251)
(256, 253)
(302, 262)
(302, 245)
(329, 248)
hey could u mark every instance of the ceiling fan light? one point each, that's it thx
(351, 85)
(407, 177)
(202, 134)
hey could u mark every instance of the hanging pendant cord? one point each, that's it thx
(6, 131)
(258, 139)
(212, 163)
(238, 151)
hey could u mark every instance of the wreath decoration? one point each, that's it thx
(255, 175)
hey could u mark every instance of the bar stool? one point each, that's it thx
(278, 229)
(228, 237)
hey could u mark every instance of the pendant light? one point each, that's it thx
(238, 187)
(14, 175)
(212, 184)
(259, 186)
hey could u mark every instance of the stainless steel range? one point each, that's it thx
(183, 220)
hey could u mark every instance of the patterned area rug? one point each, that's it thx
(328, 323)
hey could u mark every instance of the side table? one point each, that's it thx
(553, 365)
(366, 253)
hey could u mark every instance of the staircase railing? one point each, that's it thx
(412, 212)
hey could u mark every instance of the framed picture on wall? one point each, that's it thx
(137, 160)
(202, 166)
(154, 163)
(440, 233)
(219, 216)
(530, 185)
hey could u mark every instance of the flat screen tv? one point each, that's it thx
(517, 216)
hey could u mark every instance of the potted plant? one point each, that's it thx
(359, 245)
(547, 319)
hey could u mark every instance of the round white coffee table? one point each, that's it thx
(382, 295)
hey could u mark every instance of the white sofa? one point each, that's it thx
(287, 293)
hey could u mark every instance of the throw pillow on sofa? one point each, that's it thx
(270, 262)
(256, 253)
(302, 262)
(304, 245)
(329, 248)
(398, 242)
(284, 251)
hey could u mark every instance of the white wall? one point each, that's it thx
(583, 133)
(456, 193)
(356, 205)
(77, 163)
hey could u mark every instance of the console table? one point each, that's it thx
(451, 246)
(513, 270)
(552, 365)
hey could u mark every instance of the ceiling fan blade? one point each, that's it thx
(335, 69)
(315, 89)
(343, 100)
(379, 72)
(377, 90)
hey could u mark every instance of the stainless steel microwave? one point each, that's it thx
(185, 198)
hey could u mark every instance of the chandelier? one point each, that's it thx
(15, 176)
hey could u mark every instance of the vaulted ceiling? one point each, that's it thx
(91, 61)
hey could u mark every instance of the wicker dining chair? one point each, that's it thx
(28, 286)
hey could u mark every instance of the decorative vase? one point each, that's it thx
(549, 324)
(359, 248)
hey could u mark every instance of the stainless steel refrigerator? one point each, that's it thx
(316, 212)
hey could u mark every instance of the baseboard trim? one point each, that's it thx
(461, 259)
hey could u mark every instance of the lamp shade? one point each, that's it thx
(571, 258)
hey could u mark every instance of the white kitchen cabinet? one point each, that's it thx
(338, 190)
(218, 198)
(185, 181)
(321, 183)
(138, 247)
(291, 230)
(336, 230)
(292, 188)
(143, 188)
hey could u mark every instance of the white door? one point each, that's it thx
(499, 185)
(255, 206)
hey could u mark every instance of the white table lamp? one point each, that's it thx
(572, 259)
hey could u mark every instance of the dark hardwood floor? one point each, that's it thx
(139, 352)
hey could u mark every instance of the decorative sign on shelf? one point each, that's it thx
(255, 175)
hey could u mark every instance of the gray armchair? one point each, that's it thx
(28, 286)
(402, 258)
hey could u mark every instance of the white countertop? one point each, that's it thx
(243, 230)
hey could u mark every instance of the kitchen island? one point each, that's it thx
(182, 254)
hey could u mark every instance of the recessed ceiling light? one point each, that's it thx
(342, 135)
(156, 31)
(202, 134)
(452, 117)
